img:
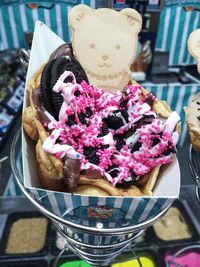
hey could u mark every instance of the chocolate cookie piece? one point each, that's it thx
(71, 64)
(90, 154)
(45, 88)
(53, 101)
(104, 130)
(120, 140)
(128, 182)
(117, 119)
(83, 117)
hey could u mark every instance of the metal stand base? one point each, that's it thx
(98, 254)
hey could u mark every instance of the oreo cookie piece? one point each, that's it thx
(60, 65)
(128, 182)
(114, 172)
(71, 64)
(147, 119)
(156, 140)
(136, 147)
(90, 154)
(88, 113)
(170, 149)
(120, 140)
(118, 119)
(132, 139)
(104, 130)
(53, 101)
(83, 117)
(45, 87)
(71, 120)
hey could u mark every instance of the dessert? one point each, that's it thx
(27, 235)
(192, 114)
(172, 226)
(77, 263)
(193, 46)
(192, 118)
(93, 141)
(189, 258)
(144, 260)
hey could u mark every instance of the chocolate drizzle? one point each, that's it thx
(71, 167)
(41, 116)
(71, 172)
(62, 50)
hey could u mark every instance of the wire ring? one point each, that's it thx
(75, 226)
(24, 57)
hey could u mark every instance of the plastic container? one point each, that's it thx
(24, 263)
(15, 217)
(178, 241)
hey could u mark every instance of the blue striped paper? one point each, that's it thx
(17, 19)
(125, 211)
(174, 29)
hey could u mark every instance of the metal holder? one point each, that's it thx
(171, 260)
(194, 166)
(96, 255)
(24, 56)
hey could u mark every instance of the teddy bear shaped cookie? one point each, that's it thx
(194, 46)
(106, 63)
(193, 110)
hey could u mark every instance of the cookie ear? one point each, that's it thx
(194, 46)
(133, 19)
(77, 14)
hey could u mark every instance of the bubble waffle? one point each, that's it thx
(92, 182)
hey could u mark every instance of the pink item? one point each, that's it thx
(70, 141)
(191, 259)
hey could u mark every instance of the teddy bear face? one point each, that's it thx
(104, 42)
(102, 57)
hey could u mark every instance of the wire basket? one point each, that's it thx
(194, 166)
(100, 253)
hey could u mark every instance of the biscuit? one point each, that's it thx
(192, 118)
(194, 46)
(192, 112)
(104, 41)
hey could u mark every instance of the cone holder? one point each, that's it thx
(194, 166)
(74, 233)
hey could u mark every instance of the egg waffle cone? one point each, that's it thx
(50, 168)
(192, 123)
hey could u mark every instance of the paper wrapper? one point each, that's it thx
(88, 210)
